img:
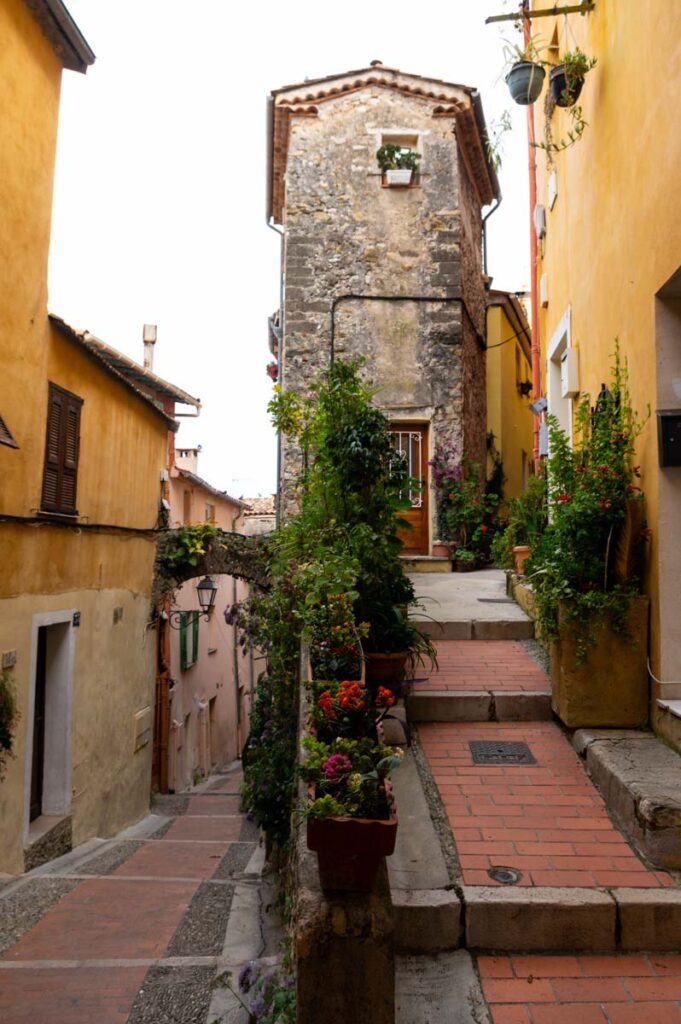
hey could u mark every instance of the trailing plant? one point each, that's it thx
(188, 547)
(267, 994)
(576, 65)
(589, 486)
(9, 717)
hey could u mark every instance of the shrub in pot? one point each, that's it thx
(397, 163)
(567, 78)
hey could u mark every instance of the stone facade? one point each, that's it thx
(350, 239)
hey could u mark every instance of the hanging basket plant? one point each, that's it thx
(567, 78)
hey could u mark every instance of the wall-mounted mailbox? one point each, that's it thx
(669, 436)
(569, 374)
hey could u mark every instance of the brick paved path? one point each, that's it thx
(474, 665)
(639, 989)
(143, 931)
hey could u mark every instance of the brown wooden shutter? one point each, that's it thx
(61, 451)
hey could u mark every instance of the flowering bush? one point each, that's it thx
(335, 650)
(269, 996)
(348, 776)
(464, 511)
(347, 708)
(589, 487)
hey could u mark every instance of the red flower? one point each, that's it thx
(562, 499)
(384, 698)
(484, 529)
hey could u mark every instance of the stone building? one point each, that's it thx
(393, 274)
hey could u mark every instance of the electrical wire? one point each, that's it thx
(505, 341)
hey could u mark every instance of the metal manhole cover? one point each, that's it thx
(497, 752)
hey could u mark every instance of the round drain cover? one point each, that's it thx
(507, 876)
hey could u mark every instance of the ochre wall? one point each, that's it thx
(614, 234)
(508, 416)
(30, 80)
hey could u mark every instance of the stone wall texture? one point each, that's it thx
(345, 234)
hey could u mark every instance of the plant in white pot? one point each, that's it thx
(397, 163)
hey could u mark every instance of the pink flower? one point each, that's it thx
(335, 767)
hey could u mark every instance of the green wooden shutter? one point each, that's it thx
(183, 640)
(195, 638)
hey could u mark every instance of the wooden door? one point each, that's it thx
(38, 757)
(411, 439)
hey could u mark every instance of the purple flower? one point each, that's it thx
(246, 976)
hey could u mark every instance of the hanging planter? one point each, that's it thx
(562, 94)
(567, 78)
(525, 81)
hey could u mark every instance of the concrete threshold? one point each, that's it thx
(476, 629)
(483, 706)
(640, 780)
(438, 989)
(427, 910)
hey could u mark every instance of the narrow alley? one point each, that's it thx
(138, 928)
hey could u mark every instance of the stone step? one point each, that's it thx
(481, 706)
(425, 563)
(640, 780)
(438, 989)
(475, 629)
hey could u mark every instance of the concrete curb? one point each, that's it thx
(427, 911)
(487, 706)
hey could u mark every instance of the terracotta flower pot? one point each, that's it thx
(521, 552)
(350, 850)
(385, 668)
(440, 549)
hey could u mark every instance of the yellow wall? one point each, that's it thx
(50, 571)
(614, 235)
(30, 79)
(508, 416)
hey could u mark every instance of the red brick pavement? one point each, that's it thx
(131, 914)
(547, 820)
(106, 917)
(92, 995)
(637, 989)
(467, 666)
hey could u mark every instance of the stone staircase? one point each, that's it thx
(619, 792)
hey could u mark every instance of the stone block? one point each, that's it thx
(449, 707)
(426, 920)
(649, 919)
(502, 629)
(546, 918)
(522, 707)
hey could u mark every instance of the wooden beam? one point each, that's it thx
(547, 12)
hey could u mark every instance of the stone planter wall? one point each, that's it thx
(610, 690)
(342, 942)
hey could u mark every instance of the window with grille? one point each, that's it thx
(60, 473)
(409, 443)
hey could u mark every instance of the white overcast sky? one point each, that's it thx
(159, 212)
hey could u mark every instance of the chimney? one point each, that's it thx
(149, 339)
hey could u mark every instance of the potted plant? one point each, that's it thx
(392, 642)
(594, 621)
(527, 520)
(567, 78)
(526, 73)
(397, 163)
(351, 817)
(347, 708)
(465, 560)
(464, 509)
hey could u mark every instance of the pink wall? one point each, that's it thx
(209, 704)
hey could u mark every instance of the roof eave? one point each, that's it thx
(60, 29)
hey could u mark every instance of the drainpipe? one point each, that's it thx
(489, 213)
(273, 227)
(534, 302)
